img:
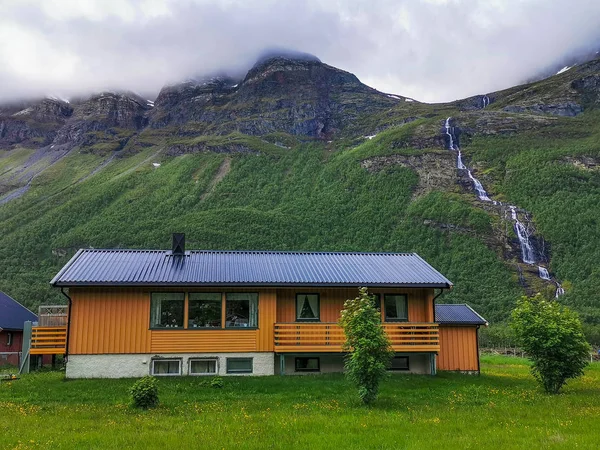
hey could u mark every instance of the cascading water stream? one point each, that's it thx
(528, 254)
(485, 100)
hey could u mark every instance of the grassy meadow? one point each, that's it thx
(502, 408)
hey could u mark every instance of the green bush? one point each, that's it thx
(144, 392)
(216, 382)
(552, 336)
(368, 347)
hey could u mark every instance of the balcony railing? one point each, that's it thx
(329, 337)
(48, 340)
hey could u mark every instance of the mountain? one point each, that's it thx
(500, 191)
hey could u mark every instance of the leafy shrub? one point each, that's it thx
(369, 348)
(552, 336)
(216, 382)
(144, 392)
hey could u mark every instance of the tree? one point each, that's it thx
(552, 336)
(368, 347)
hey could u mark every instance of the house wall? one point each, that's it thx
(420, 302)
(14, 349)
(331, 363)
(458, 348)
(139, 365)
(117, 321)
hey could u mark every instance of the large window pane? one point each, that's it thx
(203, 366)
(396, 308)
(241, 310)
(166, 310)
(307, 307)
(204, 310)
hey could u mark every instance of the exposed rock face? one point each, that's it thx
(437, 171)
(296, 96)
(33, 122)
(569, 109)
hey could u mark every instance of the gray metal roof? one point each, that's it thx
(247, 268)
(13, 314)
(457, 315)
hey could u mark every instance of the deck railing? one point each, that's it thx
(48, 340)
(329, 337)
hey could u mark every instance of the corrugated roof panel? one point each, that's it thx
(154, 267)
(457, 314)
(13, 314)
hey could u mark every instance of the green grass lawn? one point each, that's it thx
(502, 408)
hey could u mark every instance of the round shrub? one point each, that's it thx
(144, 392)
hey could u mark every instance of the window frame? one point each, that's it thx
(183, 324)
(384, 309)
(9, 338)
(234, 372)
(225, 327)
(177, 360)
(318, 369)
(195, 374)
(407, 358)
(189, 300)
(300, 319)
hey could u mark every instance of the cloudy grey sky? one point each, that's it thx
(432, 50)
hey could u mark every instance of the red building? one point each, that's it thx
(12, 317)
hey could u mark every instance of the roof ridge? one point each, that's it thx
(304, 252)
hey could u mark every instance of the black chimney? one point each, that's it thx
(178, 244)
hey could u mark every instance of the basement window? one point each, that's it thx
(400, 363)
(205, 310)
(308, 365)
(203, 366)
(166, 310)
(239, 365)
(396, 308)
(166, 367)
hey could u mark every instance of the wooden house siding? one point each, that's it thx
(117, 321)
(458, 348)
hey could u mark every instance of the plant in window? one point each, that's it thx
(144, 393)
(552, 335)
(368, 347)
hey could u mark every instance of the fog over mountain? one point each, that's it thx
(432, 50)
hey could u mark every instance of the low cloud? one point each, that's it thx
(432, 50)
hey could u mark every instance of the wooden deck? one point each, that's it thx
(48, 340)
(329, 337)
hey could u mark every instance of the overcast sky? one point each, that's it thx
(431, 50)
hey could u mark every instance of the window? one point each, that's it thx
(241, 310)
(308, 365)
(166, 310)
(204, 310)
(166, 367)
(9, 339)
(239, 365)
(396, 308)
(399, 363)
(203, 366)
(307, 307)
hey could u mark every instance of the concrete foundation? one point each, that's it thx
(139, 365)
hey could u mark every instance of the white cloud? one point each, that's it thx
(432, 50)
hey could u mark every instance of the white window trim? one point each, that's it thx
(216, 372)
(9, 339)
(177, 360)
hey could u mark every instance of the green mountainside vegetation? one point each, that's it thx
(273, 186)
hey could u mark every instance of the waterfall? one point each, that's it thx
(559, 290)
(450, 140)
(527, 253)
(481, 193)
(543, 273)
(486, 101)
(459, 161)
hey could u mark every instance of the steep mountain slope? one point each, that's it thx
(301, 155)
